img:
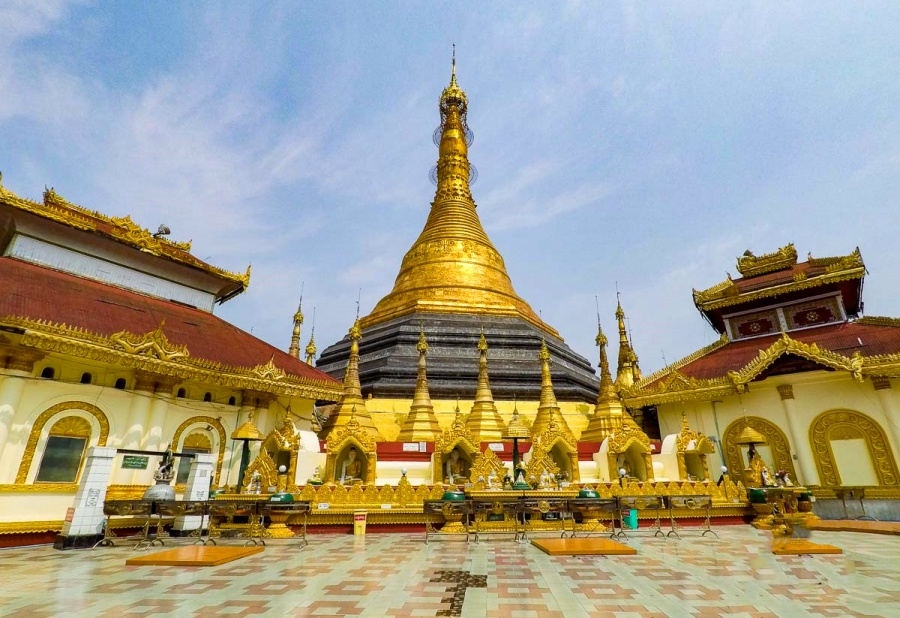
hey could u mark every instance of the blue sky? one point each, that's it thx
(639, 144)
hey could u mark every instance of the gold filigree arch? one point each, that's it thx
(444, 446)
(39, 423)
(836, 424)
(777, 441)
(482, 466)
(555, 436)
(203, 420)
(350, 434)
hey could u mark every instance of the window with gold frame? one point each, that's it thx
(64, 451)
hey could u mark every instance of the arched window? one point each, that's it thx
(196, 442)
(181, 393)
(207, 396)
(231, 400)
(64, 451)
(86, 378)
(49, 373)
(120, 384)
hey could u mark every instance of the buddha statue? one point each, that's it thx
(351, 469)
(316, 478)
(455, 468)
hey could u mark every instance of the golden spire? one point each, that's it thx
(484, 421)
(627, 372)
(294, 350)
(548, 408)
(311, 346)
(421, 425)
(352, 405)
(608, 412)
(453, 267)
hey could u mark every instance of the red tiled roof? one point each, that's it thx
(844, 339)
(38, 293)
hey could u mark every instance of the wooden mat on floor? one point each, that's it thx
(852, 525)
(194, 555)
(583, 547)
(797, 547)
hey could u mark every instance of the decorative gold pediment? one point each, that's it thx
(153, 344)
(750, 265)
(484, 464)
(269, 371)
(455, 435)
(266, 468)
(351, 432)
(285, 437)
(540, 464)
(812, 352)
(626, 435)
(552, 435)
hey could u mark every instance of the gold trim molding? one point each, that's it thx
(38, 426)
(29, 527)
(74, 341)
(829, 425)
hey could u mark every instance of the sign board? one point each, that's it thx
(497, 447)
(70, 514)
(323, 506)
(135, 462)
(410, 447)
(385, 507)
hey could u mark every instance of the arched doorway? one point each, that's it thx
(779, 455)
(851, 449)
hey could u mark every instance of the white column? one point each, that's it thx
(11, 389)
(137, 412)
(886, 398)
(86, 515)
(159, 410)
(197, 488)
(806, 465)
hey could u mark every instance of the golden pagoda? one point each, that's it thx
(484, 422)
(628, 371)
(294, 349)
(421, 425)
(548, 408)
(609, 410)
(352, 405)
(453, 267)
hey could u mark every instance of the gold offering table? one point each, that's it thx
(520, 511)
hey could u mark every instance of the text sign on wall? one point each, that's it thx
(410, 447)
(135, 462)
(497, 447)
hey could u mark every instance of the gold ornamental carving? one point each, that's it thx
(73, 341)
(456, 436)
(785, 391)
(38, 426)
(153, 344)
(750, 265)
(486, 466)
(777, 441)
(846, 424)
(204, 420)
(344, 436)
(269, 371)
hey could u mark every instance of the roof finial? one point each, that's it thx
(453, 73)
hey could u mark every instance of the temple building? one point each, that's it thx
(108, 338)
(453, 287)
(798, 365)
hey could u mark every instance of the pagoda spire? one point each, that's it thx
(627, 372)
(453, 267)
(352, 404)
(294, 349)
(311, 346)
(484, 422)
(421, 424)
(548, 408)
(609, 409)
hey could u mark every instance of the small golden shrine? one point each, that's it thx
(484, 422)
(279, 448)
(350, 454)
(548, 408)
(609, 409)
(692, 449)
(488, 471)
(553, 451)
(455, 438)
(629, 450)
(421, 425)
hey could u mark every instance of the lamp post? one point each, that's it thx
(516, 431)
(246, 433)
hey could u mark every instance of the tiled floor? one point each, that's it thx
(398, 575)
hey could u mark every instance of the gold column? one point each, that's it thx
(885, 396)
(806, 465)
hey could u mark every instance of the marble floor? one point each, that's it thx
(399, 575)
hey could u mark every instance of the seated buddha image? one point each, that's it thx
(455, 468)
(351, 468)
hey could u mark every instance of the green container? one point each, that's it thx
(756, 496)
(588, 493)
(285, 497)
(455, 496)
